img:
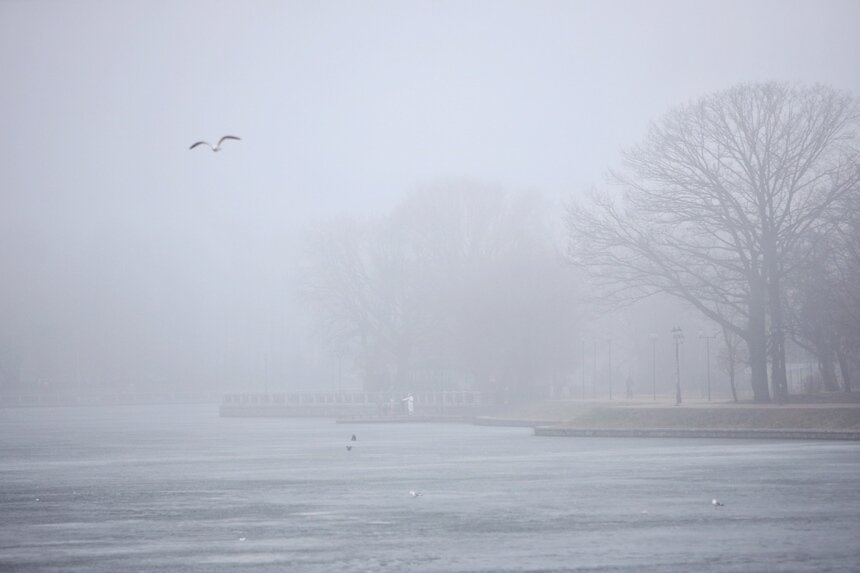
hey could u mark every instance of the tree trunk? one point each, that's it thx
(756, 339)
(732, 384)
(828, 372)
(779, 381)
(731, 341)
(844, 369)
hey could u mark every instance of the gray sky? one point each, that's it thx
(343, 106)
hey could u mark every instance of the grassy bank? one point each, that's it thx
(701, 415)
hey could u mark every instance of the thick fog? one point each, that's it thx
(129, 262)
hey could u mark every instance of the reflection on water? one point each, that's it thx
(179, 489)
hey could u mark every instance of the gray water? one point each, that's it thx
(180, 489)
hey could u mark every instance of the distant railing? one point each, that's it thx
(453, 398)
(453, 403)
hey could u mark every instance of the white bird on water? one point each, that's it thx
(218, 146)
(414, 493)
(716, 503)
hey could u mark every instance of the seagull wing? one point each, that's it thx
(220, 141)
(200, 143)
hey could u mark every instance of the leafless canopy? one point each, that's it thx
(718, 203)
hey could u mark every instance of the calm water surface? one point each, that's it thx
(180, 489)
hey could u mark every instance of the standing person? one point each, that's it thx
(410, 404)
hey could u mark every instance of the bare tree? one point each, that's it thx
(812, 307)
(731, 358)
(336, 281)
(844, 292)
(460, 277)
(823, 298)
(717, 202)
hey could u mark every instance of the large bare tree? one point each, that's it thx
(717, 203)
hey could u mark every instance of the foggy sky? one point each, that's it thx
(128, 256)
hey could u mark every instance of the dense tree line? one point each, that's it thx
(460, 278)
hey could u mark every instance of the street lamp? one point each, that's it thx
(609, 342)
(654, 363)
(583, 369)
(266, 371)
(708, 354)
(340, 371)
(678, 335)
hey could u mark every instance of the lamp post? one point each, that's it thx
(708, 355)
(583, 369)
(609, 342)
(266, 370)
(654, 364)
(678, 335)
(340, 371)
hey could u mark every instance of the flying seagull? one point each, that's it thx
(716, 503)
(217, 147)
(414, 493)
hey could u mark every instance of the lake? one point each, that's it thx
(176, 488)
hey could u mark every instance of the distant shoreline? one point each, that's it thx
(815, 420)
(835, 416)
(759, 434)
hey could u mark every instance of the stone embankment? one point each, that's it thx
(815, 421)
(562, 431)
